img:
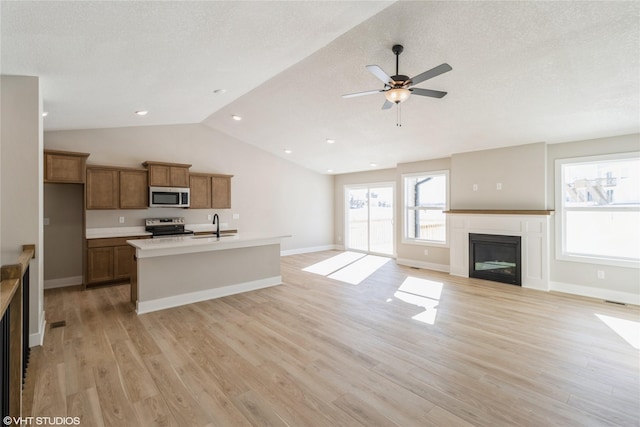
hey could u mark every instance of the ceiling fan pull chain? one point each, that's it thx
(399, 116)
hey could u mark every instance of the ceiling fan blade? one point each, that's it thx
(377, 71)
(369, 92)
(428, 92)
(387, 104)
(440, 69)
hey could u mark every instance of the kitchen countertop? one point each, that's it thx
(178, 245)
(105, 233)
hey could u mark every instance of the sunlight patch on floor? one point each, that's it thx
(422, 293)
(628, 330)
(356, 272)
(334, 263)
(348, 267)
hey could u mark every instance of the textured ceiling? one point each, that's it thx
(523, 72)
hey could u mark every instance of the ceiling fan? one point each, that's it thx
(397, 88)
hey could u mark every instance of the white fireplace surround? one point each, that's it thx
(532, 227)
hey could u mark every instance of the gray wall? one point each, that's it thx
(521, 170)
(21, 191)
(527, 176)
(63, 207)
(268, 193)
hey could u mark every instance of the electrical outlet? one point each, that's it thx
(121, 220)
(46, 221)
(475, 187)
(426, 251)
(600, 274)
(210, 217)
(498, 186)
(339, 238)
(236, 216)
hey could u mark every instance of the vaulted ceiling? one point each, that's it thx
(523, 72)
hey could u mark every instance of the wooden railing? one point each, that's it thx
(14, 332)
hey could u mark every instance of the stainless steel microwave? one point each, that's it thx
(168, 197)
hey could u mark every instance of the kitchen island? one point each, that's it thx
(174, 271)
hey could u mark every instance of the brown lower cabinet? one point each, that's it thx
(109, 260)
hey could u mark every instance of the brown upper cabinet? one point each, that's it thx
(116, 188)
(210, 191)
(134, 189)
(168, 174)
(64, 166)
(200, 189)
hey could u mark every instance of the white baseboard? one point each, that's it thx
(178, 300)
(38, 338)
(63, 282)
(308, 250)
(599, 293)
(421, 264)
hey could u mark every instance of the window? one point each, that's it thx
(426, 197)
(598, 199)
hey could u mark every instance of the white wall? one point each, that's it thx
(620, 283)
(270, 194)
(21, 185)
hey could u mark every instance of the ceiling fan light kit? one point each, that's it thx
(399, 87)
(397, 95)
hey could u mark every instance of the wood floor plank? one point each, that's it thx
(116, 408)
(181, 402)
(154, 412)
(257, 411)
(86, 406)
(319, 352)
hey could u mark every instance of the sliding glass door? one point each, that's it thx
(369, 218)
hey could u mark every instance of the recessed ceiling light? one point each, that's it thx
(236, 117)
(330, 170)
(373, 165)
(142, 112)
(288, 151)
(45, 114)
(219, 91)
(331, 141)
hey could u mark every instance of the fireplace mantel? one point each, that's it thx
(498, 212)
(531, 225)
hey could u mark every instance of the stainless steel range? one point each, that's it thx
(164, 227)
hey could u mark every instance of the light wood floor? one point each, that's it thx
(318, 352)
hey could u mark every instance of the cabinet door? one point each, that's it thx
(100, 265)
(179, 176)
(221, 188)
(64, 168)
(134, 190)
(160, 176)
(123, 257)
(200, 186)
(102, 189)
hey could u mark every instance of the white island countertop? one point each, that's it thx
(177, 245)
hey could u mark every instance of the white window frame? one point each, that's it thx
(345, 216)
(561, 213)
(406, 208)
